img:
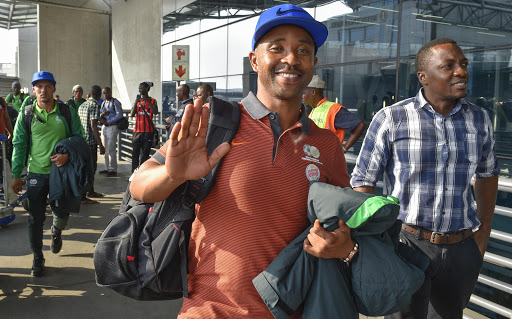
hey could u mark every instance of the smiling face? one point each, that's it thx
(445, 77)
(284, 59)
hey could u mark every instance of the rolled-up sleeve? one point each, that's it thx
(488, 165)
(375, 152)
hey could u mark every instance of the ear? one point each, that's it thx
(254, 61)
(315, 61)
(313, 91)
(34, 89)
(422, 77)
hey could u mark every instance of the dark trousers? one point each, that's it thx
(38, 187)
(141, 146)
(94, 158)
(449, 279)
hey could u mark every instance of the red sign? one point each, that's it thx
(180, 66)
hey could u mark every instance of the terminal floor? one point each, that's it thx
(68, 289)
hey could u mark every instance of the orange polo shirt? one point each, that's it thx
(257, 206)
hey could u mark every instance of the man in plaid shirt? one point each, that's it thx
(89, 113)
(429, 148)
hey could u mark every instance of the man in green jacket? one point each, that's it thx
(17, 97)
(48, 126)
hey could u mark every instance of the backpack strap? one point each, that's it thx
(222, 127)
(66, 113)
(28, 114)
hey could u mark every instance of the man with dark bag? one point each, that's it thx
(259, 201)
(111, 113)
(144, 132)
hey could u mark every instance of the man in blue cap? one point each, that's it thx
(48, 126)
(258, 203)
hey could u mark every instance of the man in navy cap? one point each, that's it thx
(48, 126)
(258, 203)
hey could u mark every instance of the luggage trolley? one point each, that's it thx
(8, 199)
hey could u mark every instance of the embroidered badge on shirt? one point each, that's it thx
(33, 181)
(312, 154)
(57, 118)
(312, 172)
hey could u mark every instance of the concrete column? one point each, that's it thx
(27, 57)
(75, 46)
(136, 49)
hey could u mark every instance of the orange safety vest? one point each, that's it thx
(323, 115)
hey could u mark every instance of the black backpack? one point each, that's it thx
(142, 254)
(10, 96)
(13, 114)
(28, 114)
(122, 123)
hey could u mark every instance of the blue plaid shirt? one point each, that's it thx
(429, 161)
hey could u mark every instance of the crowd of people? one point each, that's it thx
(429, 148)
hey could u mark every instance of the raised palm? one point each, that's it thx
(187, 157)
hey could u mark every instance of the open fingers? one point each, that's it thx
(185, 121)
(190, 120)
(175, 133)
(205, 116)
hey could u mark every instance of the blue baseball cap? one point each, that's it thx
(43, 75)
(289, 14)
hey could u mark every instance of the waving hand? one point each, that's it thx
(186, 157)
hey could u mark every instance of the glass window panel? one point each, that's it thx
(213, 53)
(361, 88)
(234, 89)
(213, 14)
(183, 22)
(471, 24)
(239, 43)
(359, 32)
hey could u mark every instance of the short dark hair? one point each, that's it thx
(96, 92)
(185, 89)
(207, 89)
(147, 84)
(425, 52)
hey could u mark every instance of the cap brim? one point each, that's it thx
(317, 30)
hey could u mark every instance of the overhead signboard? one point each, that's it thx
(180, 65)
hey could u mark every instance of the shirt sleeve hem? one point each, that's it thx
(362, 183)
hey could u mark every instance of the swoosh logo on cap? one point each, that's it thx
(280, 12)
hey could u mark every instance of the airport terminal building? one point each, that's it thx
(367, 63)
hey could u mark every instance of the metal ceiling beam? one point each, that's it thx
(10, 15)
(58, 5)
